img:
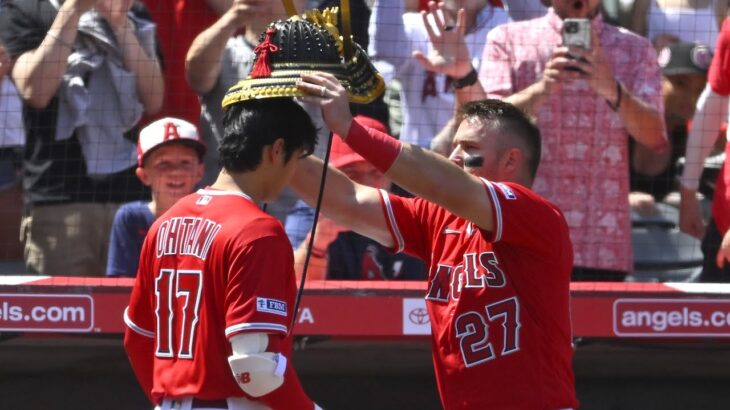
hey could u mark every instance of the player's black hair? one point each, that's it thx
(249, 126)
(513, 123)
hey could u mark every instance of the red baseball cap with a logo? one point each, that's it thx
(168, 131)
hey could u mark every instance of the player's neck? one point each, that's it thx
(246, 182)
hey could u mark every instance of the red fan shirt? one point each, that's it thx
(498, 301)
(213, 266)
(178, 23)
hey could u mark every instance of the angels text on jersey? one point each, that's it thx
(474, 272)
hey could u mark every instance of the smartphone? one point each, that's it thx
(577, 33)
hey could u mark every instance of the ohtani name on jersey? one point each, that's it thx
(476, 271)
(186, 236)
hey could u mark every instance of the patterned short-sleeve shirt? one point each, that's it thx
(585, 158)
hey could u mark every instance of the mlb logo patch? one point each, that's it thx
(204, 200)
(266, 305)
(507, 191)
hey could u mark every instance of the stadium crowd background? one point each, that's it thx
(200, 48)
(69, 155)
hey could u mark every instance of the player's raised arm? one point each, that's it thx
(345, 201)
(454, 184)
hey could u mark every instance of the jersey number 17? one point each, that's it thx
(177, 303)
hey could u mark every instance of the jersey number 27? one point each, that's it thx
(177, 303)
(472, 331)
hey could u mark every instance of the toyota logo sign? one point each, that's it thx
(418, 316)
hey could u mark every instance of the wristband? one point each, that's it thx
(378, 148)
(466, 81)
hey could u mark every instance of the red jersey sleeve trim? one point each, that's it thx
(392, 224)
(242, 327)
(137, 329)
(496, 210)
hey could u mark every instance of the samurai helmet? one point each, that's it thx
(303, 44)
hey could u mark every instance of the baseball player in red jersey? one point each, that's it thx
(209, 315)
(499, 255)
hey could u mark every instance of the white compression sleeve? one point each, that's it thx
(248, 343)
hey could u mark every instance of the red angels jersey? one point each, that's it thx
(498, 301)
(211, 267)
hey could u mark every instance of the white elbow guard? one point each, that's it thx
(258, 373)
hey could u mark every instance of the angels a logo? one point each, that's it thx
(418, 316)
(171, 132)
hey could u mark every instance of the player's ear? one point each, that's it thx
(512, 161)
(278, 148)
(142, 175)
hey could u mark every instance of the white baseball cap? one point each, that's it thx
(167, 131)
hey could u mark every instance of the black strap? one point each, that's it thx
(310, 245)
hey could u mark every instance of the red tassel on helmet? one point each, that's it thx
(262, 68)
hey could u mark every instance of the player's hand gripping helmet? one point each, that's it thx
(307, 43)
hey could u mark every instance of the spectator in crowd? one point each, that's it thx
(427, 99)
(12, 138)
(337, 252)
(668, 21)
(170, 161)
(585, 107)
(219, 57)
(178, 23)
(712, 111)
(86, 71)
(684, 76)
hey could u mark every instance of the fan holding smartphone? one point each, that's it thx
(580, 56)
